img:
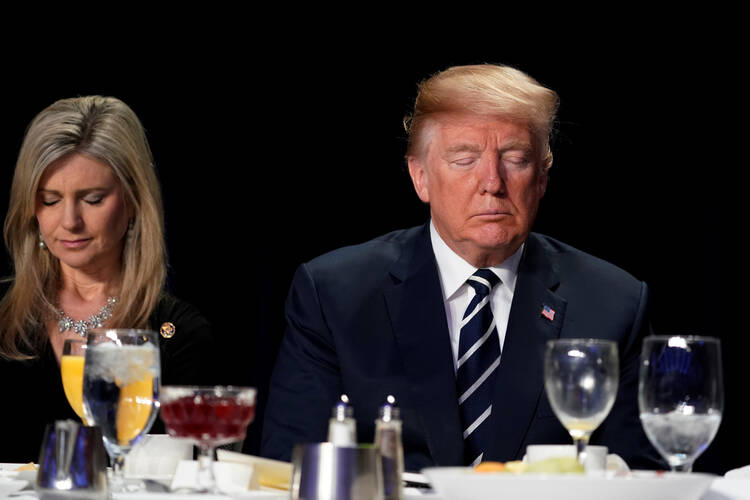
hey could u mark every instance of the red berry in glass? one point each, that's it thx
(208, 416)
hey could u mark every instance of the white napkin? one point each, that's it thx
(230, 477)
(156, 457)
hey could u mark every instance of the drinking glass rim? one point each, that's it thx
(134, 331)
(589, 341)
(171, 392)
(112, 333)
(689, 338)
(209, 388)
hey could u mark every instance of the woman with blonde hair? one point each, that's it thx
(85, 231)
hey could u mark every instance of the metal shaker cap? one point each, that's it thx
(389, 410)
(342, 410)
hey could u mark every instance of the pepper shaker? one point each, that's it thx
(388, 441)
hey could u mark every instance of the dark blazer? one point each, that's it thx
(369, 321)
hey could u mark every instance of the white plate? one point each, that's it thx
(461, 483)
(8, 471)
(8, 486)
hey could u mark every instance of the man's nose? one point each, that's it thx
(491, 178)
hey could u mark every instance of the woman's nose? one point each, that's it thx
(71, 217)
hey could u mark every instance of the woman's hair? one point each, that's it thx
(488, 90)
(107, 130)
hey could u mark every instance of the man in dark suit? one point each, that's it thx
(452, 317)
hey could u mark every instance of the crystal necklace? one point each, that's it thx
(81, 327)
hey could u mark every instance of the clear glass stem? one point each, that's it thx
(206, 482)
(581, 444)
(686, 467)
(117, 479)
(118, 483)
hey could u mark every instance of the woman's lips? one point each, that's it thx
(73, 244)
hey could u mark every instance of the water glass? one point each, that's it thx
(680, 396)
(120, 391)
(581, 378)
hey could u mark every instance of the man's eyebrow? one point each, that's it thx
(514, 144)
(517, 145)
(460, 148)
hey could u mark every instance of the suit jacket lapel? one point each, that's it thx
(520, 378)
(415, 305)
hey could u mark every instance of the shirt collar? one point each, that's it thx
(454, 270)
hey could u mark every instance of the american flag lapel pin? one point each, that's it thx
(548, 312)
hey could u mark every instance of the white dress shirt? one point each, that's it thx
(457, 294)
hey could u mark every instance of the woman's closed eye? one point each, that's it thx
(93, 200)
(48, 202)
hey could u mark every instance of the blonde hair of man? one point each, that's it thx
(491, 90)
(105, 129)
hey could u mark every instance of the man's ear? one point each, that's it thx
(543, 180)
(419, 177)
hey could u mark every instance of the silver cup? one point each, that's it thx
(72, 463)
(324, 471)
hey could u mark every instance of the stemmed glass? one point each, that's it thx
(120, 391)
(581, 377)
(209, 416)
(71, 372)
(680, 396)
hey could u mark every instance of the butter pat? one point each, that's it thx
(271, 473)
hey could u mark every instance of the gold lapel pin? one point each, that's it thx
(167, 330)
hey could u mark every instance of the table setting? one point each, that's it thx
(114, 387)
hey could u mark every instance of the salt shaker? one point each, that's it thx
(388, 441)
(342, 429)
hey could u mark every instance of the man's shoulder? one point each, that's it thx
(376, 253)
(571, 261)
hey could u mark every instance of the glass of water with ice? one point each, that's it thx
(680, 396)
(121, 391)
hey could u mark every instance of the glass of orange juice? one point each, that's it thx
(71, 369)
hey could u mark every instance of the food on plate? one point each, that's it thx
(28, 466)
(515, 466)
(271, 473)
(490, 467)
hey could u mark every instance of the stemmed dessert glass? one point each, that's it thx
(581, 377)
(209, 416)
(680, 396)
(121, 391)
(71, 372)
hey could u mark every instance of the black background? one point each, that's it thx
(272, 151)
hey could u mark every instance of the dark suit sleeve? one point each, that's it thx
(622, 431)
(306, 380)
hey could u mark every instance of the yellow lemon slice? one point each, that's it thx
(134, 409)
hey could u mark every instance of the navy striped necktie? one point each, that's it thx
(478, 359)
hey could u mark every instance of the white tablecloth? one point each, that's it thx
(721, 489)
